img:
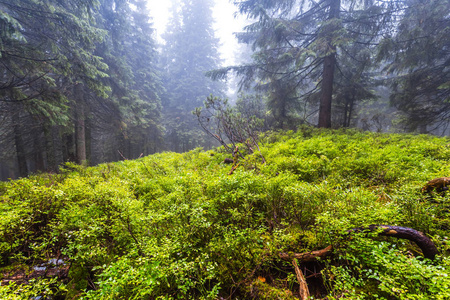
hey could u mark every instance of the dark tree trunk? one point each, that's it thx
(344, 124)
(39, 147)
(69, 148)
(80, 128)
(327, 91)
(19, 143)
(49, 149)
(4, 171)
(329, 64)
(422, 128)
(350, 111)
(88, 136)
(54, 148)
(57, 144)
(283, 114)
(429, 249)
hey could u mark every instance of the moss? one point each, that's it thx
(78, 282)
(259, 289)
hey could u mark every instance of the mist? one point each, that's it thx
(118, 81)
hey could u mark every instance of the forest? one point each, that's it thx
(135, 165)
(87, 81)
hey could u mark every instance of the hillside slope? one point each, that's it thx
(178, 226)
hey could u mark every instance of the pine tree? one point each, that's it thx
(130, 115)
(79, 82)
(419, 57)
(306, 47)
(189, 52)
(147, 81)
(45, 44)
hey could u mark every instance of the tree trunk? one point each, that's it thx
(327, 91)
(329, 63)
(422, 129)
(80, 128)
(19, 143)
(88, 135)
(39, 161)
(54, 148)
(57, 144)
(3, 172)
(49, 149)
(344, 124)
(350, 111)
(68, 148)
(39, 146)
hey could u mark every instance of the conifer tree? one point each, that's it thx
(306, 46)
(189, 52)
(419, 57)
(131, 113)
(44, 51)
(79, 82)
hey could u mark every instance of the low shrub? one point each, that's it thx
(182, 226)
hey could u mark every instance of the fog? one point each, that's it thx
(123, 80)
(226, 22)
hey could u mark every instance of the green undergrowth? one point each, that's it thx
(178, 226)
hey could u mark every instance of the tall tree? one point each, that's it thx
(419, 57)
(131, 115)
(304, 44)
(147, 81)
(189, 52)
(329, 34)
(78, 82)
(44, 45)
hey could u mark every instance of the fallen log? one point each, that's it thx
(439, 185)
(307, 256)
(303, 289)
(427, 246)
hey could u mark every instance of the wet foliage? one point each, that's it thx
(178, 226)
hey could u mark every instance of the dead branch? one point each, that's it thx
(427, 246)
(440, 185)
(303, 289)
(233, 169)
(307, 256)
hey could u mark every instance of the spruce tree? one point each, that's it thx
(306, 47)
(79, 82)
(130, 115)
(190, 51)
(418, 56)
(45, 50)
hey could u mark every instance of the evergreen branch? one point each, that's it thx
(32, 97)
(29, 58)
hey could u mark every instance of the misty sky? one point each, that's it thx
(225, 25)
